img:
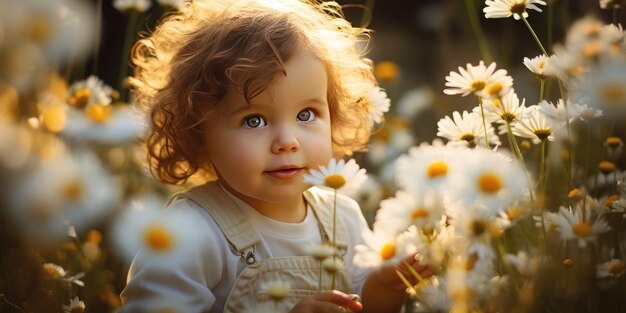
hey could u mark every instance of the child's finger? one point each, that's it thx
(340, 300)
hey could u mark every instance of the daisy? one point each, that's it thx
(559, 112)
(423, 210)
(164, 237)
(176, 4)
(276, 289)
(490, 179)
(572, 226)
(539, 66)
(128, 5)
(320, 251)
(506, 8)
(585, 113)
(612, 40)
(414, 102)
(466, 128)
(535, 126)
(474, 226)
(473, 79)
(435, 295)
(104, 124)
(604, 87)
(55, 271)
(504, 110)
(427, 167)
(611, 269)
(370, 194)
(382, 247)
(378, 104)
(566, 65)
(76, 306)
(345, 177)
(583, 30)
(89, 91)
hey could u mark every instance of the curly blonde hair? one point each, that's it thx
(183, 69)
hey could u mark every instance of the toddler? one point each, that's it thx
(251, 95)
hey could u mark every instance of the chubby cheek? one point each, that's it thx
(319, 149)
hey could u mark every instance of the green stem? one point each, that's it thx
(405, 281)
(534, 36)
(541, 89)
(480, 35)
(332, 278)
(542, 167)
(320, 277)
(521, 158)
(414, 272)
(482, 113)
(131, 28)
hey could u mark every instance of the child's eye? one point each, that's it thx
(254, 121)
(306, 115)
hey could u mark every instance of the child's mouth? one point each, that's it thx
(285, 173)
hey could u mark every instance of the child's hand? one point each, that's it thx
(329, 302)
(388, 277)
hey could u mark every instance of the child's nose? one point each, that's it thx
(285, 141)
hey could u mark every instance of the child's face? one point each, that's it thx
(261, 151)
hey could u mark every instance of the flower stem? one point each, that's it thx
(332, 276)
(414, 272)
(541, 89)
(534, 36)
(521, 158)
(320, 277)
(542, 167)
(482, 112)
(405, 281)
(480, 35)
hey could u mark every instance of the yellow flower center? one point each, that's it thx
(582, 229)
(158, 238)
(575, 194)
(73, 190)
(386, 70)
(591, 50)
(478, 85)
(514, 212)
(576, 69)
(99, 113)
(54, 116)
(606, 167)
(53, 271)
(335, 181)
(419, 213)
(612, 93)
(80, 98)
(518, 8)
(468, 137)
(613, 142)
(507, 116)
(616, 268)
(437, 169)
(388, 251)
(568, 262)
(542, 134)
(610, 199)
(471, 261)
(489, 183)
(494, 88)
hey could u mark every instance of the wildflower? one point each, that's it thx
(585, 113)
(132, 5)
(506, 8)
(386, 70)
(379, 103)
(165, 237)
(276, 289)
(540, 66)
(610, 4)
(475, 228)
(175, 4)
(383, 247)
(504, 110)
(611, 269)
(427, 167)
(91, 91)
(604, 87)
(104, 124)
(466, 128)
(423, 210)
(414, 102)
(474, 79)
(76, 306)
(572, 226)
(340, 175)
(612, 40)
(332, 265)
(320, 251)
(535, 126)
(489, 179)
(52, 270)
(606, 167)
(559, 112)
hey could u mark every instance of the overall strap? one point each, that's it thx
(322, 203)
(240, 234)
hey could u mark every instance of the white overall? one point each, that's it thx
(302, 272)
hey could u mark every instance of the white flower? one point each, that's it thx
(414, 102)
(127, 5)
(466, 128)
(475, 228)
(435, 295)
(559, 112)
(611, 269)
(320, 251)
(572, 225)
(378, 104)
(104, 124)
(345, 177)
(535, 125)
(62, 189)
(474, 79)
(370, 194)
(540, 66)
(604, 87)
(276, 289)
(423, 210)
(54, 271)
(506, 8)
(427, 167)
(90, 91)
(506, 109)
(383, 247)
(488, 179)
(76, 306)
(165, 238)
(585, 113)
